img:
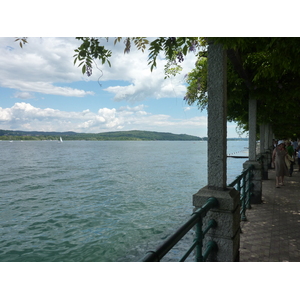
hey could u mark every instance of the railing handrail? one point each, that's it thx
(166, 246)
(238, 178)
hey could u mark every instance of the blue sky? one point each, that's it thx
(41, 89)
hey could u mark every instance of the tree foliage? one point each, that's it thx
(266, 69)
(174, 49)
(22, 41)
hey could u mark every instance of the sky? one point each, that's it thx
(42, 90)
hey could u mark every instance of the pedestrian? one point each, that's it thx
(295, 146)
(278, 158)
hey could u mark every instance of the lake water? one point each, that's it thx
(98, 201)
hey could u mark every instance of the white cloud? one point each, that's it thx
(23, 95)
(24, 116)
(148, 86)
(44, 88)
(143, 83)
(38, 65)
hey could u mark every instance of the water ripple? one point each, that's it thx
(95, 201)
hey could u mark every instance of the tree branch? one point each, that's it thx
(236, 60)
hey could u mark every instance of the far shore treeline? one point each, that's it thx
(133, 135)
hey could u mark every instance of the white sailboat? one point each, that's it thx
(60, 140)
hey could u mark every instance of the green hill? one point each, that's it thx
(132, 135)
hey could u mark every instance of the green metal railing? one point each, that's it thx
(196, 219)
(243, 183)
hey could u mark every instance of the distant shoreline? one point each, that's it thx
(132, 135)
(31, 139)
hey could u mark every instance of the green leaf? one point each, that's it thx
(82, 53)
(117, 40)
(184, 50)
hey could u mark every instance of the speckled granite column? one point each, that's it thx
(270, 142)
(227, 215)
(263, 151)
(257, 176)
(268, 137)
(217, 114)
(262, 130)
(252, 129)
(268, 145)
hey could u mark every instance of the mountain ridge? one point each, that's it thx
(112, 135)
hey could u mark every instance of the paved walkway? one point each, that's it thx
(272, 230)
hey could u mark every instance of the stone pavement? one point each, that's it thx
(272, 230)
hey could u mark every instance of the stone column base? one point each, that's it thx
(227, 216)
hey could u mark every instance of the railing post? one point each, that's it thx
(244, 197)
(249, 188)
(199, 237)
(238, 186)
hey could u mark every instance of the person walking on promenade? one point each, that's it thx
(290, 157)
(295, 146)
(278, 159)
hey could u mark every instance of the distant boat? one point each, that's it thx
(60, 140)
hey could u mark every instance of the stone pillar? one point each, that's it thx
(217, 118)
(262, 130)
(263, 151)
(268, 144)
(267, 137)
(252, 128)
(257, 178)
(227, 216)
(270, 139)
